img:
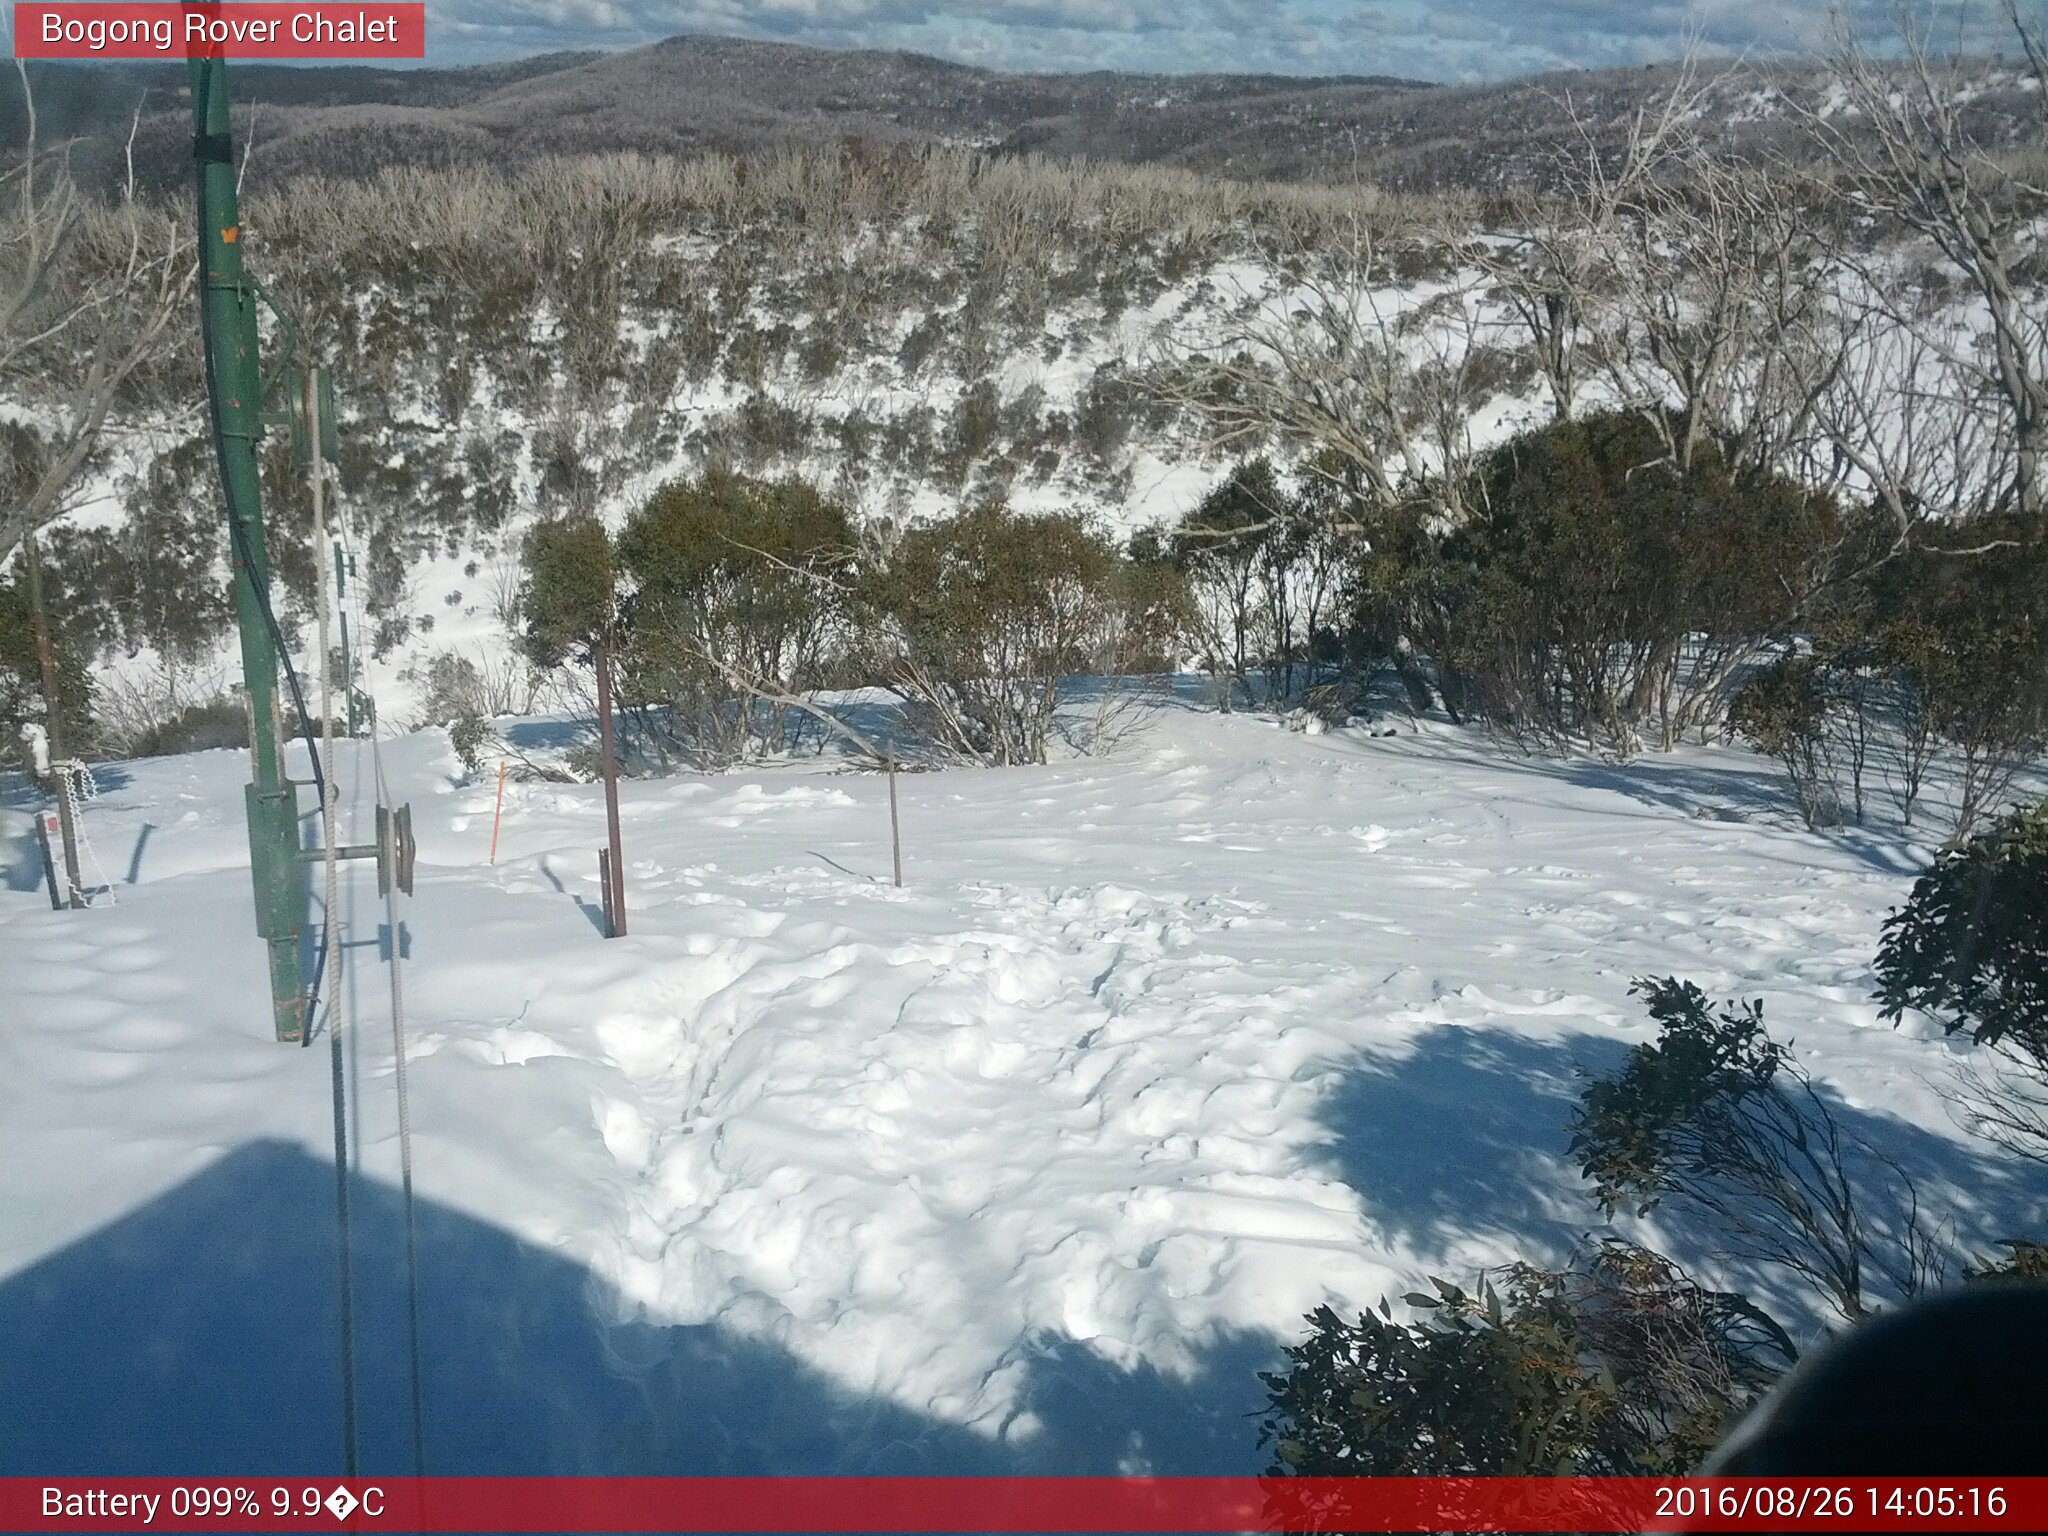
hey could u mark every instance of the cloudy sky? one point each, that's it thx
(1429, 39)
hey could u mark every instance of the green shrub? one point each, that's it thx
(1157, 603)
(739, 588)
(1220, 550)
(1720, 1121)
(566, 595)
(470, 736)
(203, 727)
(1621, 1365)
(1782, 711)
(1970, 946)
(1967, 639)
(1270, 570)
(1601, 593)
(975, 428)
(977, 620)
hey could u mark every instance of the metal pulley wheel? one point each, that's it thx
(396, 850)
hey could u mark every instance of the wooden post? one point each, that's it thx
(49, 865)
(615, 879)
(604, 887)
(498, 815)
(895, 825)
(53, 711)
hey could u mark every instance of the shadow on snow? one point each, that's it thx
(1467, 1137)
(198, 1336)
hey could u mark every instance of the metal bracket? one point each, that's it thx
(276, 374)
(394, 850)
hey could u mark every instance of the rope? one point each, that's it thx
(348, 1320)
(77, 785)
(245, 553)
(331, 907)
(400, 1070)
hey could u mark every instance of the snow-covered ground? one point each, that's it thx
(1030, 1165)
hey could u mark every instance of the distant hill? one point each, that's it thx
(689, 94)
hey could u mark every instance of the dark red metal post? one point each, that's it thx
(616, 873)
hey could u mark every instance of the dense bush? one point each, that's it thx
(456, 687)
(1265, 570)
(209, 725)
(1934, 665)
(1970, 946)
(1966, 640)
(470, 735)
(1785, 710)
(978, 622)
(1600, 593)
(1158, 606)
(1620, 1365)
(727, 601)
(567, 598)
(738, 589)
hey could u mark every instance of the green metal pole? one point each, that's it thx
(227, 304)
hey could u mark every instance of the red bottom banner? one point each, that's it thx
(1023, 1504)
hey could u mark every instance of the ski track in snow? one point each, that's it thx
(1153, 1054)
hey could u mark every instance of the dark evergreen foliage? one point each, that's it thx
(977, 620)
(1619, 1365)
(1719, 1120)
(21, 682)
(567, 598)
(1602, 592)
(1970, 946)
(738, 586)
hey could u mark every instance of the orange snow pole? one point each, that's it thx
(499, 814)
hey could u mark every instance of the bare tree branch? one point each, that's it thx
(87, 296)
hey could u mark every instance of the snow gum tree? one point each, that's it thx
(89, 291)
(1905, 152)
(1265, 567)
(1217, 548)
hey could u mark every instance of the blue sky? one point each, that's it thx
(1430, 39)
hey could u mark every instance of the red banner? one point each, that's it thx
(1021, 1504)
(258, 29)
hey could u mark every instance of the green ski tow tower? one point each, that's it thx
(235, 387)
